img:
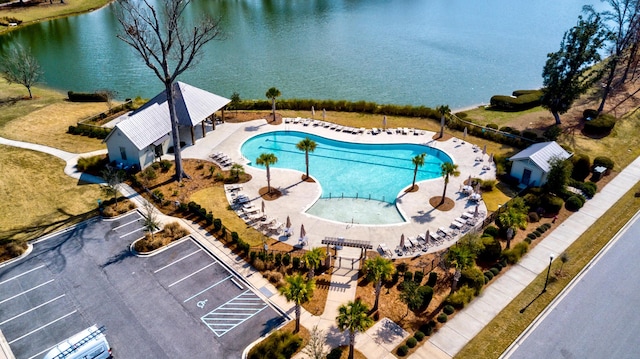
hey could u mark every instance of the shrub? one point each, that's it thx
(488, 185)
(520, 101)
(336, 353)
(149, 174)
(426, 328)
(274, 277)
(442, 318)
(277, 345)
(589, 189)
(86, 97)
(472, 277)
(552, 133)
(488, 275)
(408, 276)
(296, 262)
(533, 217)
(402, 351)
(492, 126)
(426, 293)
(165, 165)
(418, 335)
(492, 249)
(528, 240)
(600, 126)
(604, 162)
(514, 254)
(589, 114)
(461, 297)
(418, 276)
(448, 309)
(551, 204)
(286, 259)
(494, 271)
(537, 233)
(433, 279)
(259, 264)
(493, 231)
(531, 236)
(402, 267)
(412, 342)
(530, 135)
(574, 203)
(174, 230)
(252, 256)
(93, 164)
(217, 224)
(581, 167)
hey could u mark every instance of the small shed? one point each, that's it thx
(145, 134)
(532, 165)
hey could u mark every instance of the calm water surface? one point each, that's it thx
(453, 52)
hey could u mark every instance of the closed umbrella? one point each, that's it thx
(428, 237)
(464, 135)
(303, 234)
(475, 213)
(384, 122)
(263, 207)
(490, 158)
(402, 241)
(313, 111)
(288, 225)
(484, 150)
(468, 181)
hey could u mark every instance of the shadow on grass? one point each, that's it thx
(43, 227)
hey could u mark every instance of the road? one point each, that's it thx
(597, 316)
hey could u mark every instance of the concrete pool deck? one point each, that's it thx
(298, 196)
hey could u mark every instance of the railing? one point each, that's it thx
(357, 195)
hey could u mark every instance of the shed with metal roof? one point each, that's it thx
(532, 165)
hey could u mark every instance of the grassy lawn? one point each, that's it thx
(37, 197)
(508, 324)
(42, 12)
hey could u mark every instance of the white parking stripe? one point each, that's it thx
(21, 274)
(27, 291)
(132, 232)
(32, 309)
(123, 225)
(42, 327)
(192, 274)
(176, 261)
(204, 290)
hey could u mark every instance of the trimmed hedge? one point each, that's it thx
(448, 309)
(402, 350)
(574, 203)
(514, 254)
(419, 336)
(442, 318)
(602, 125)
(551, 204)
(433, 279)
(461, 297)
(412, 342)
(86, 97)
(519, 101)
(604, 162)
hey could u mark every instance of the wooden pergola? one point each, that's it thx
(354, 243)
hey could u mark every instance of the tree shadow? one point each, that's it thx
(117, 258)
(42, 226)
(271, 324)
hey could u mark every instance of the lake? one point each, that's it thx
(453, 52)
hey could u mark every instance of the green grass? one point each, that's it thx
(485, 116)
(38, 197)
(33, 14)
(509, 323)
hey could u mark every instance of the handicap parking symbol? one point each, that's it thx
(201, 303)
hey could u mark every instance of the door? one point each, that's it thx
(526, 176)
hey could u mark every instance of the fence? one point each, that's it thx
(96, 121)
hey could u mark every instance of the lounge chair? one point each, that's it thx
(332, 126)
(374, 131)
(306, 122)
(326, 124)
(389, 131)
(287, 120)
(361, 130)
(296, 120)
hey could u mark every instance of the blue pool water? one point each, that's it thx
(349, 170)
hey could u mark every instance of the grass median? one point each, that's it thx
(494, 339)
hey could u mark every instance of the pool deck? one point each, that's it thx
(298, 196)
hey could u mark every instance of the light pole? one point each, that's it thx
(548, 270)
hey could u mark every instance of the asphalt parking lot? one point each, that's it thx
(179, 303)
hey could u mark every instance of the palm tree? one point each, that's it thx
(410, 295)
(353, 317)
(378, 269)
(512, 219)
(307, 145)
(236, 170)
(272, 94)
(312, 260)
(299, 291)
(448, 169)
(267, 159)
(444, 110)
(460, 257)
(418, 161)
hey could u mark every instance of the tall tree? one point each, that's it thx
(167, 45)
(460, 258)
(236, 170)
(299, 291)
(444, 110)
(410, 295)
(272, 94)
(267, 159)
(377, 270)
(511, 219)
(20, 67)
(418, 161)
(567, 74)
(559, 174)
(353, 317)
(621, 21)
(448, 169)
(312, 260)
(306, 145)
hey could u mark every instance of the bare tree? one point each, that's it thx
(167, 45)
(150, 221)
(316, 349)
(109, 96)
(20, 67)
(113, 181)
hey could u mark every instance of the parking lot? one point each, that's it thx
(181, 302)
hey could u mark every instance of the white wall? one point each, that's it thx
(538, 178)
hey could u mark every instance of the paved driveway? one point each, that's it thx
(181, 303)
(596, 318)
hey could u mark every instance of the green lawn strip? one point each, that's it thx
(38, 197)
(32, 14)
(509, 323)
(11, 110)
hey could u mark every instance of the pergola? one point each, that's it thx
(340, 241)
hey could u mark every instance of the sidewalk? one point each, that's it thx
(452, 337)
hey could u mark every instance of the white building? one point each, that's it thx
(142, 135)
(531, 165)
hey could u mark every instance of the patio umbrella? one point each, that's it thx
(303, 233)
(402, 241)
(475, 213)
(490, 158)
(313, 111)
(384, 122)
(324, 114)
(288, 225)
(469, 181)
(428, 237)
(262, 207)
(484, 150)
(464, 134)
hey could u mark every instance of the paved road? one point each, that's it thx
(180, 303)
(598, 316)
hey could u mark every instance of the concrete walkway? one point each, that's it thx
(452, 337)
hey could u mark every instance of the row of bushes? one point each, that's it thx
(90, 131)
(519, 101)
(6, 20)
(412, 341)
(87, 96)
(491, 132)
(537, 233)
(600, 126)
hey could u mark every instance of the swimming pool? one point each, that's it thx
(346, 169)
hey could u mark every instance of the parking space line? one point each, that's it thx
(42, 327)
(27, 291)
(134, 231)
(21, 274)
(228, 316)
(32, 309)
(204, 290)
(125, 224)
(176, 261)
(192, 274)
(236, 283)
